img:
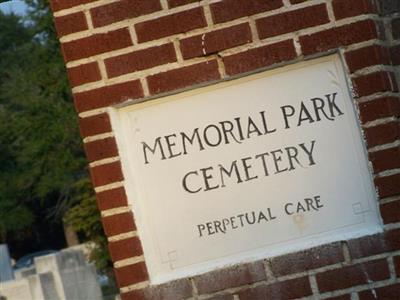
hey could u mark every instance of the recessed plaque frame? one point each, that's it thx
(272, 163)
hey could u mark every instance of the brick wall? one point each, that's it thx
(117, 50)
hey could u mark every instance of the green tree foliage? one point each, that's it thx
(14, 214)
(42, 162)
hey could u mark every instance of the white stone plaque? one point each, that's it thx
(246, 169)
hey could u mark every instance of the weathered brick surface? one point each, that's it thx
(93, 125)
(214, 41)
(183, 77)
(96, 44)
(83, 74)
(259, 57)
(345, 9)
(306, 260)
(374, 83)
(106, 174)
(117, 224)
(385, 293)
(339, 36)
(343, 297)
(121, 10)
(222, 297)
(140, 60)
(388, 185)
(111, 198)
(126, 248)
(390, 212)
(387, 7)
(375, 244)
(382, 134)
(170, 291)
(57, 5)
(227, 10)
(108, 95)
(175, 3)
(292, 21)
(353, 275)
(131, 274)
(101, 149)
(396, 261)
(366, 57)
(290, 289)
(395, 55)
(228, 278)
(379, 108)
(386, 159)
(396, 28)
(170, 24)
(70, 23)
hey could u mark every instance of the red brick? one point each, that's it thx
(111, 198)
(340, 36)
(108, 95)
(375, 244)
(289, 289)
(101, 149)
(94, 125)
(122, 10)
(117, 224)
(306, 260)
(140, 60)
(171, 24)
(385, 159)
(227, 10)
(64, 4)
(215, 41)
(83, 74)
(390, 212)
(96, 44)
(230, 277)
(297, 1)
(183, 77)
(379, 108)
(345, 8)
(106, 174)
(292, 21)
(396, 260)
(366, 57)
(390, 292)
(388, 185)
(179, 289)
(343, 297)
(353, 275)
(222, 297)
(382, 134)
(396, 28)
(175, 3)
(70, 23)
(395, 55)
(131, 274)
(374, 83)
(259, 57)
(126, 248)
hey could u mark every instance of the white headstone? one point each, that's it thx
(46, 264)
(16, 290)
(6, 271)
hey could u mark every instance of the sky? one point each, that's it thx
(15, 6)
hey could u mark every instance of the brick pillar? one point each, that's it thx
(133, 50)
